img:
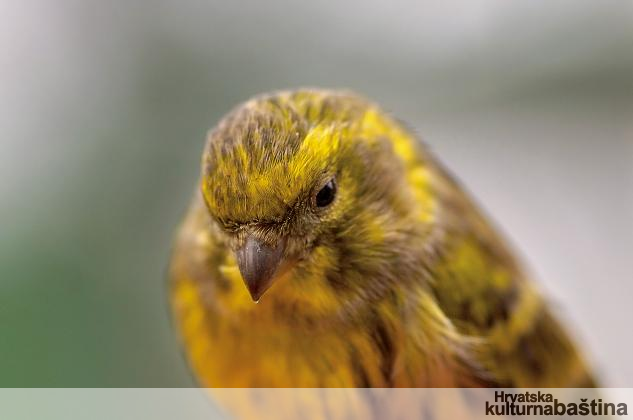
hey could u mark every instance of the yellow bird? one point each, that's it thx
(325, 246)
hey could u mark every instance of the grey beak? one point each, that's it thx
(258, 263)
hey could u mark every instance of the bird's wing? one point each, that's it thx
(482, 289)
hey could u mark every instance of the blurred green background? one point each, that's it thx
(104, 107)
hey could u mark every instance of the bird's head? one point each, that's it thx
(319, 189)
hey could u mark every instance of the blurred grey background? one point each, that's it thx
(104, 107)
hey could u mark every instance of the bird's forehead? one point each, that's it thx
(262, 169)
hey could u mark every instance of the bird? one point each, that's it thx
(327, 246)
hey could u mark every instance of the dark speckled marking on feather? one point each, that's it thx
(382, 339)
(362, 378)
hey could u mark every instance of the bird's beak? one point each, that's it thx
(260, 264)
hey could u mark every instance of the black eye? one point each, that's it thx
(326, 195)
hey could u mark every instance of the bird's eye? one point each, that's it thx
(325, 196)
